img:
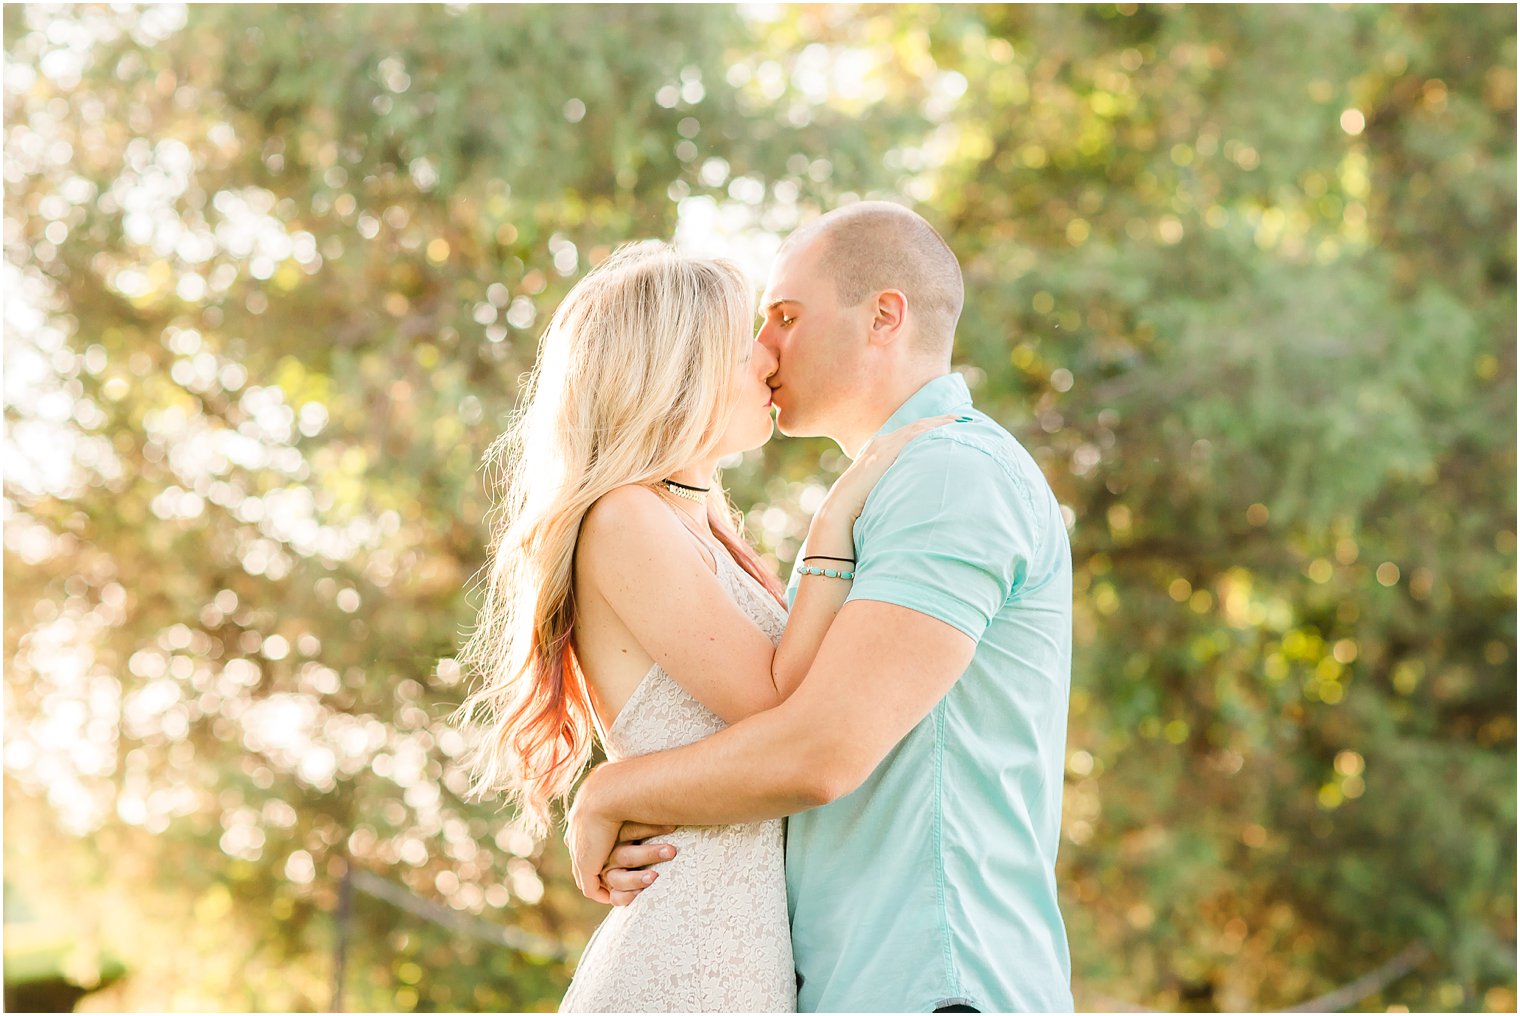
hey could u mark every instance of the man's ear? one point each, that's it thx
(890, 318)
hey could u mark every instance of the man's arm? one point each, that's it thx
(946, 542)
(880, 670)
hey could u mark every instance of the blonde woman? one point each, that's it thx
(622, 599)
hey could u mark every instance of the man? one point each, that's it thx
(922, 757)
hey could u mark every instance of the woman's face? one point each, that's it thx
(750, 424)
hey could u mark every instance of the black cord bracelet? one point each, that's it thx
(825, 557)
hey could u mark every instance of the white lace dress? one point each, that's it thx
(712, 933)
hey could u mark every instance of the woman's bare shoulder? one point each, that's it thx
(627, 527)
(623, 512)
(626, 519)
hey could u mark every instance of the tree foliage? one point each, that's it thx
(1241, 278)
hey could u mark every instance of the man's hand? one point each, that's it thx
(605, 852)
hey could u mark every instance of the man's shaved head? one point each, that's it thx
(870, 246)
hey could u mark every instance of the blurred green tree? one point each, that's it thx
(293, 262)
(1246, 277)
(1242, 278)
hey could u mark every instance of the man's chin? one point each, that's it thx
(787, 424)
(797, 430)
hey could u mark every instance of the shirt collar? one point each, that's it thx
(945, 394)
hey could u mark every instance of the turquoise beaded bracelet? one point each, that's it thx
(829, 573)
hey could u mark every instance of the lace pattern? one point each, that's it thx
(712, 933)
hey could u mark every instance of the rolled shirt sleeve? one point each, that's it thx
(948, 532)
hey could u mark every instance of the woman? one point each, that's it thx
(621, 598)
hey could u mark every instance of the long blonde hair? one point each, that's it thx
(633, 382)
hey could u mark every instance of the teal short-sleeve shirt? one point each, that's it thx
(934, 882)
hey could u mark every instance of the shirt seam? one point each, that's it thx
(1003, 460)
(939, 848)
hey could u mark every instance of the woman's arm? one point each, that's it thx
(832, 534)
(639, 558)
(818, 601)
(644, 563)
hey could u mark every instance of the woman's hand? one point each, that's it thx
(629, 868)
(847, 499)
(608, 856)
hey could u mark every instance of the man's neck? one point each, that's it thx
(874, 415)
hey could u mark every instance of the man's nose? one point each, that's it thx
(768, 360)
(770, 341)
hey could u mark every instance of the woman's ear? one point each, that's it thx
(891, 314)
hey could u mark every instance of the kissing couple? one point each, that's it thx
(839, 795)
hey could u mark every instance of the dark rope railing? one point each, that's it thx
(464, 924)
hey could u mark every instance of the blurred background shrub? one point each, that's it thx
(1242, 278)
